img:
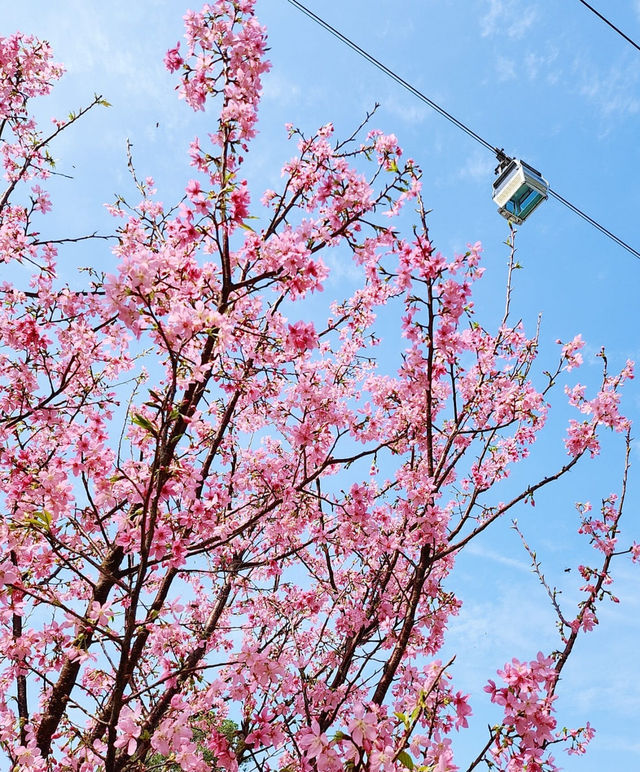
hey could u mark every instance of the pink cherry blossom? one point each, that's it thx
(571, 352)
(233, 506)
(128, 729)
(172, 60)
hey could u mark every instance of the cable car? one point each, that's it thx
(518, 189)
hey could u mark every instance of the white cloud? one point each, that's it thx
(616, 743)
(489, 632)
(342, 270)
(482, 552)
(507, 17)
(539, 65)
(277, 87)
(614, 91)
(398, 26)
(532, 65)
(407, 110)
(479, 167)
(506, 69)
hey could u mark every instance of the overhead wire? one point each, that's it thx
(377, 63)
(455, 121)
(613, 26)
(595, 223)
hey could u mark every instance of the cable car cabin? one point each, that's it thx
(518, 190)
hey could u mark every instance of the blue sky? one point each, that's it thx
(546, 80)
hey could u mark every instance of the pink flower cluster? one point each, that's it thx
(521, 742)
(602, 531)
(263, 518)
(229, 26)
(603, 410)
(302, 336)
(26, 71)
(571, 352)
(528, 715)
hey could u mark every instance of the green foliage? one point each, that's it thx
(159, 763)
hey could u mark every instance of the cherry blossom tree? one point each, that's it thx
(229, 527)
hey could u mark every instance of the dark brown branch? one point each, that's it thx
(122, 761)
(393, 662)
(59, 696)
(21, 678)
